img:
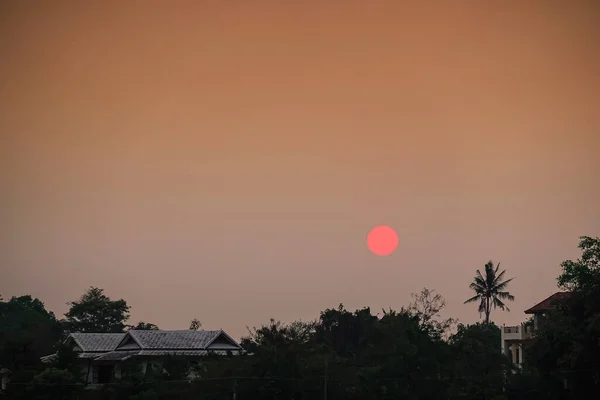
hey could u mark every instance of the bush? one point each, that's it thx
(54, 376)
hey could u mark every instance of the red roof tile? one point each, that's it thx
(549, 303)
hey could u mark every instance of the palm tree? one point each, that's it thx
(490, 290)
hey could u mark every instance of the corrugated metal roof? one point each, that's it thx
(116, 355)
(49, 358)
(90, 355)
(103, 346)
(181, 352)
(124, 355)
(172, 340)
(54, 357)
(97, 342)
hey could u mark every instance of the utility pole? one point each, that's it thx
(325, 383)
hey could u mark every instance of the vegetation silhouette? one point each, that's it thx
(490, 290)
(411, 353)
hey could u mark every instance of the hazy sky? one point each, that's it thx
(226, 160)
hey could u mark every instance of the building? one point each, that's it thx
(4, 378)
(102, 354)
(515, 339)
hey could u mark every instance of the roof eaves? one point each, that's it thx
(75, 340)
(547, 303)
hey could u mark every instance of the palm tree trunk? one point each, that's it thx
(487, 310)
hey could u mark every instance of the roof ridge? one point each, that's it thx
(174, 330)
(546, 304)
(98, 341)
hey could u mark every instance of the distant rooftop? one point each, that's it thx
(121, 346)
(171, 340)
(549, 303)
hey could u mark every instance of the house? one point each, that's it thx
(515, 339)
(102, 354)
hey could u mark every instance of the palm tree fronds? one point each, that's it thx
(498, 303)
(472, 299)
(490, 290)
(502, 285)
(506, 296)
(499, 277)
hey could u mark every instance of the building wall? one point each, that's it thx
(5, 380)
(129, 346)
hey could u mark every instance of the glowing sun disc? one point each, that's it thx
(382, 240)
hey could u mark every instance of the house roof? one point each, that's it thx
(179, 352)
(175, 340)
(116, 356)
(97, 342)
(549, 303)
(53, 357)
(49, 358)
(106, 346)
(125, 355)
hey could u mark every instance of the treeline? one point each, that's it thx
(411, 353)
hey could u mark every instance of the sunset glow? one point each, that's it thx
(212, 148)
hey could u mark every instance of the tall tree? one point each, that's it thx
(584, 273)
(345, 333)
(97, 313)
(27, 332)
(490, 290)
(566, 345)
(427, 305)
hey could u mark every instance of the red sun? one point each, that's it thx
(382, 240)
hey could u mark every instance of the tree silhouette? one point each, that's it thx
(144, 326)
(427, 305)
(490, 290)
(27, 332)
(195, 324)
(97, 313)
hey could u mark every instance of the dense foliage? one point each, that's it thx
(567, 345)
(144, 326)
(96, 312)
(27, 332)
(411, 353)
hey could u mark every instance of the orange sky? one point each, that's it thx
(226, 160)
